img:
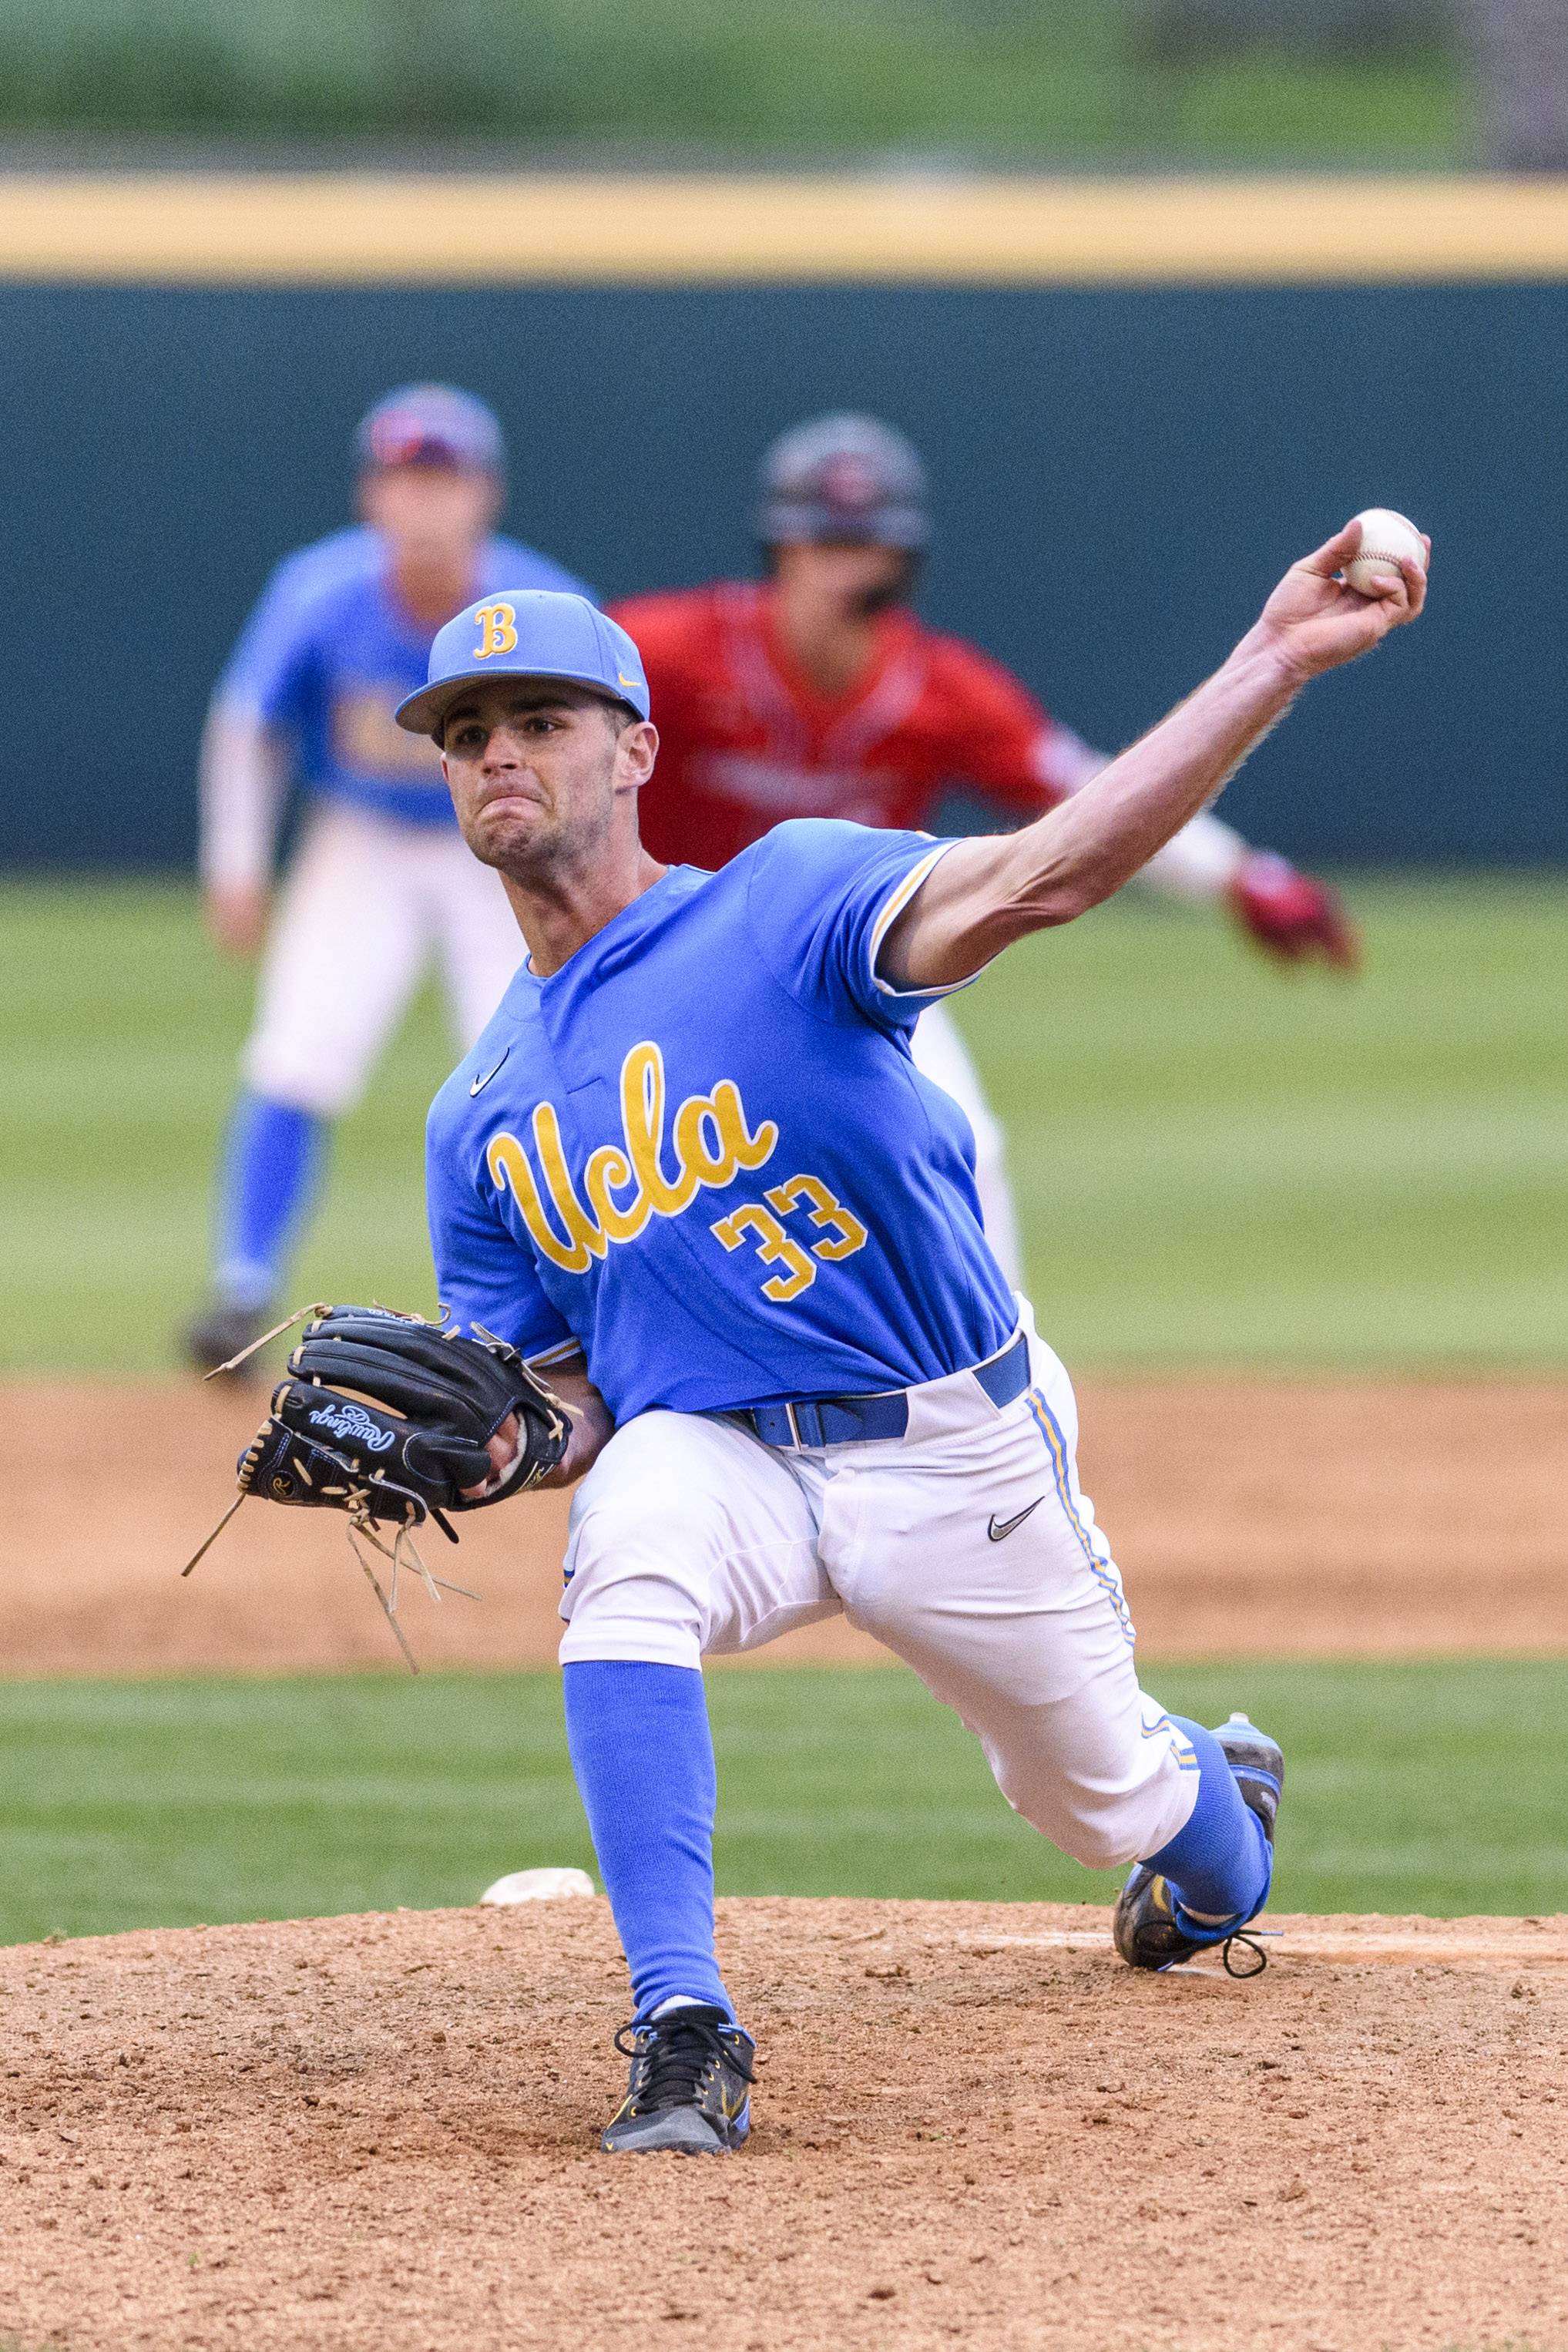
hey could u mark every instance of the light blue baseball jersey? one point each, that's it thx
(702, 1152)
(328, 655)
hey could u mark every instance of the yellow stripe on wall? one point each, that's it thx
(358, 229)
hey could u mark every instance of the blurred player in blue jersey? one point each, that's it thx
(381, 880)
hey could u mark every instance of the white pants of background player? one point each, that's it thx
(366, 905)
(690, 1538)
(942, 1056)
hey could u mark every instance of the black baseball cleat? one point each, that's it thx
(1147, 1930)
(690, 2090)
(218, 1333)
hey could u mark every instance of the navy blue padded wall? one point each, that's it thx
(1119, 477)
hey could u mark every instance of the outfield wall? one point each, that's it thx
(1137, 404)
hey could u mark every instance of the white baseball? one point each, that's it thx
(1386, 539)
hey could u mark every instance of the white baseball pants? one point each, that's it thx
(966, 1546)
(941, 1054)
(366, 904)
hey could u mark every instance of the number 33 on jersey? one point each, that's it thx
(649, 1156)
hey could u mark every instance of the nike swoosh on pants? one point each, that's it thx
(1000, 1528)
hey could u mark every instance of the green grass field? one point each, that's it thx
(1439, 1787)
(1217, 1163)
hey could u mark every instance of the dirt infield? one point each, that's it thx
(1279, 1518)
(972, 2125)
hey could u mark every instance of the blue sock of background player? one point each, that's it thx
(267, 1178)
(642, 1754)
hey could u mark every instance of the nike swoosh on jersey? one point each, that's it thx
(480, 1083)
(1000, 1529)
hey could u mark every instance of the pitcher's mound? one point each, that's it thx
(972, 2124)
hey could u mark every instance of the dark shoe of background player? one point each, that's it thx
(690, 2087)
(218, 1332)
(1146, 1931)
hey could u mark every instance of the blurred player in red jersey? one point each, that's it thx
(816, 692)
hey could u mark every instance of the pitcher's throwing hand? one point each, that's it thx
(1319, 621)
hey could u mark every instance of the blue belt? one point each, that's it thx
(855, 1420)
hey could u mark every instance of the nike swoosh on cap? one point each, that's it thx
(480, 1083)
(1000, 1528)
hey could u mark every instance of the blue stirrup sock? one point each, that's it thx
(640, 1748)
(267, 1177)
(1220, 1867)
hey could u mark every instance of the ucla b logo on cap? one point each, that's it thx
(497, 630)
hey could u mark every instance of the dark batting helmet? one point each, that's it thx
(844, 478)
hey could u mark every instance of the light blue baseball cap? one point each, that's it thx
(526, 633)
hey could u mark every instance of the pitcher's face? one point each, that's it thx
(540, 770)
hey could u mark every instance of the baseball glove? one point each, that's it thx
(1293, 916)
(387, 1418)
